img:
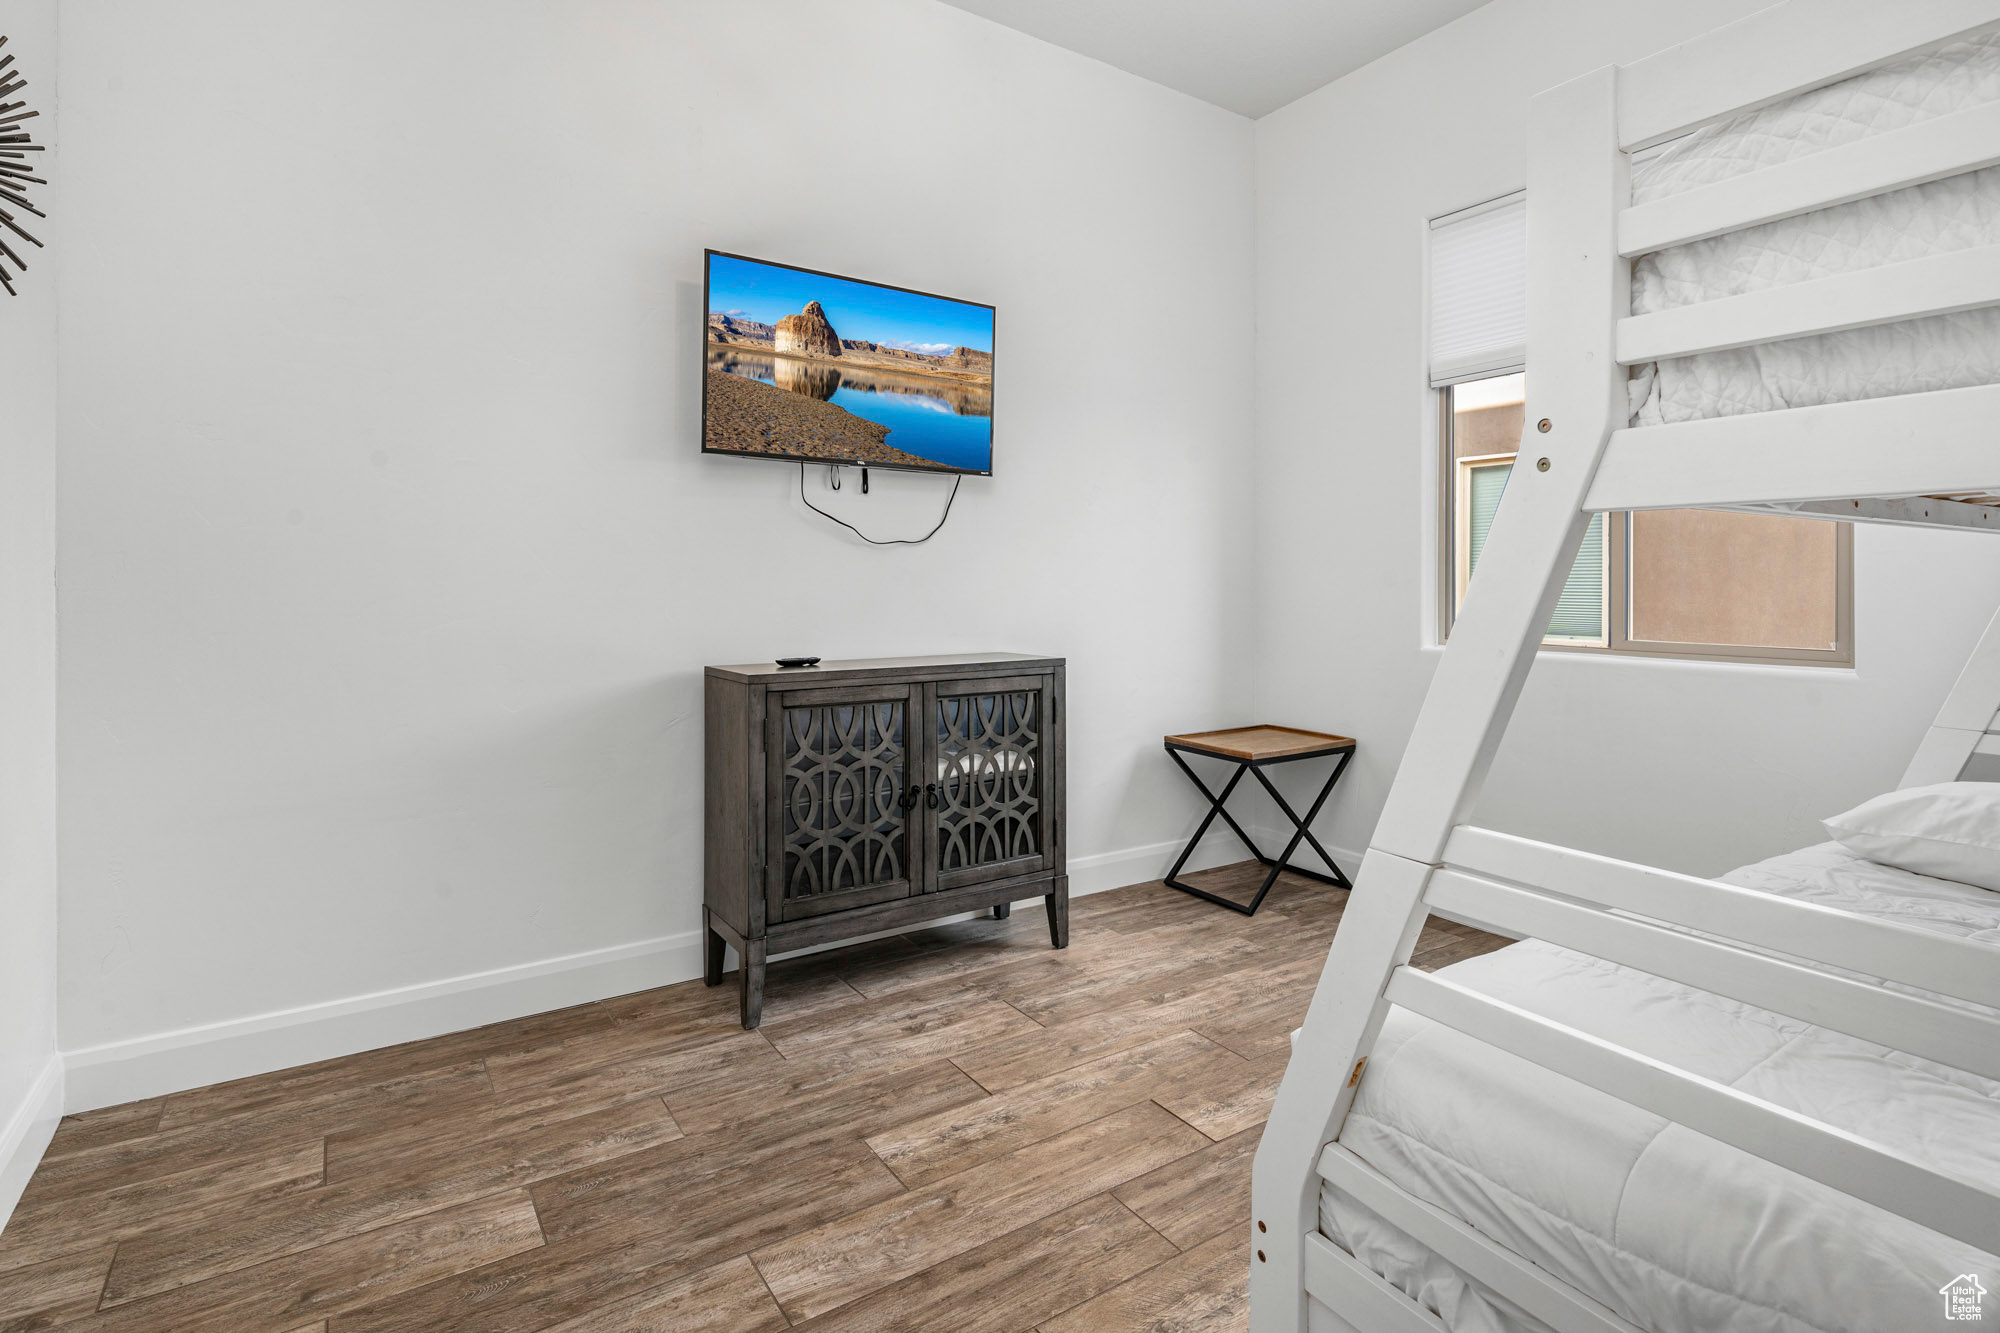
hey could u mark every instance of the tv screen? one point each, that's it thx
(808, 366)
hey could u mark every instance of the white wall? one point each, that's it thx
(1697, 767)
(30, 1072)
(390, 562)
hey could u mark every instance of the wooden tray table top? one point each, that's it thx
(1262, 743)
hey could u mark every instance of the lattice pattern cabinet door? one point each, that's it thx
(840, 829)
(993, 755)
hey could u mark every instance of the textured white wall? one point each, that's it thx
(390, 560)
(1695, 766)
(28, 637)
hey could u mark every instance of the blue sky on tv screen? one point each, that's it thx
(767, 293)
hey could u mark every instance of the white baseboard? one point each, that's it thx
(1136, 865)
(1115, 870)
(124, 1071)
(166, 1062)
(25, 1135)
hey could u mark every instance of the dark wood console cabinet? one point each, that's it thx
(861, 796)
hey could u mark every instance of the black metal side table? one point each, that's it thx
(1254, 749)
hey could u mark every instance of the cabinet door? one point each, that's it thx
(840, 831)
(987, 801)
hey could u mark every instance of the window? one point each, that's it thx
(1674, 583)
(1486, 417)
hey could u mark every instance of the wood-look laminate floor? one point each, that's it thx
(956, 1128)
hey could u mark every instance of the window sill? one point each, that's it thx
(1817, 671)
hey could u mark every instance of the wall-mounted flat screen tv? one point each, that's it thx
(807, 366)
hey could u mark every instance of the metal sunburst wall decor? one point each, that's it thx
(15, 145)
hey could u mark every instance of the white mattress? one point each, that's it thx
(1959, 212)
(1673, 1230)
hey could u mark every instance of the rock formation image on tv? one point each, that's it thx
(804, 365)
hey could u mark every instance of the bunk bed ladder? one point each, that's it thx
(1522, 568)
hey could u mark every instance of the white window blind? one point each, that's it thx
(1479, 291)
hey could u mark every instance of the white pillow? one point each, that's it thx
(1948, 831)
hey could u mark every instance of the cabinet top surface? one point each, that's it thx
(770, 673)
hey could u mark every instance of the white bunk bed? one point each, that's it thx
(1764, 274)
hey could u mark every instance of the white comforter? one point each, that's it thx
(1671, 1229)
(1960, 212)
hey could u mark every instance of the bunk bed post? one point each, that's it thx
(1579, 285)
(1969, 713)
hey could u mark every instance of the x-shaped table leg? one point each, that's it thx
(1301, 832)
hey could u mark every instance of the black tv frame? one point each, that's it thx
(940, 469)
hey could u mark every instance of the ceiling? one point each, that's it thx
(1248, 56)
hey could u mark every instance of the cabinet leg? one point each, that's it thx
(751, 968)
(713, 948)
(1058, 905)
(1001, 911)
